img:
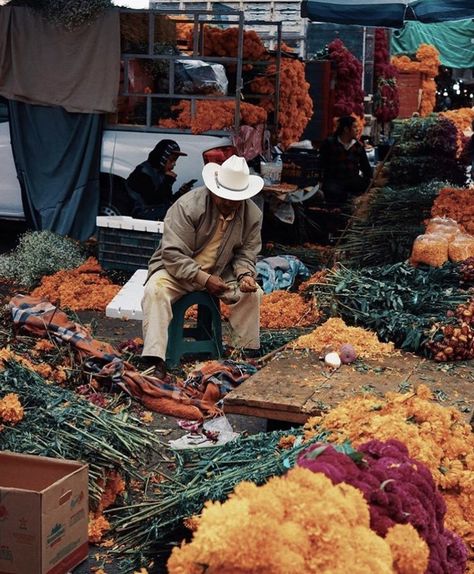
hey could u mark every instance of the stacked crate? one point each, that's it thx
(409, 89)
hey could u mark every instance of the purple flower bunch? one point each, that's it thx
(399, 490)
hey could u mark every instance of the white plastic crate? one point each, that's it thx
(127, 303)
(126, 243)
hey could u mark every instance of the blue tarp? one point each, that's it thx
(386, 13)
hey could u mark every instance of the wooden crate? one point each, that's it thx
(409, 89)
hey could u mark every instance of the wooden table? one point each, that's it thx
(297, 384)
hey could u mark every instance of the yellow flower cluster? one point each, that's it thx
(297, 523)
(11, 410)
(334, 333)
(433, 434)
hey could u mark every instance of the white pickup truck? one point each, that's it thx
(122, 150)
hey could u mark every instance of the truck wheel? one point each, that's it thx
(113, 197)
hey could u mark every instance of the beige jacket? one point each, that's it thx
(190, 224)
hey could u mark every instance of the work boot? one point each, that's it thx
(158, 364)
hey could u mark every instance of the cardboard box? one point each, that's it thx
(43, 514)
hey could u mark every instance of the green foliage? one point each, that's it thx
(399, 302)
(384, 230)
(40, 253)
(61, 424)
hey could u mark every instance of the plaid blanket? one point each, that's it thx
(195, 398)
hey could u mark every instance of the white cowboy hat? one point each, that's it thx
(231, 180)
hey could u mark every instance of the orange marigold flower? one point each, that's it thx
(44, 345)
(286, 441)
(410, 553)
(97, 527)
(11, 410)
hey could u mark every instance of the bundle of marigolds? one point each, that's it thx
(435, 435)
(398, 490)
(300, 522)
(295, 103)
(455, 341)
(78, 289)
(334, 333)
(457, 204)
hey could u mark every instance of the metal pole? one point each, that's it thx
(277, 79)
(238, 73)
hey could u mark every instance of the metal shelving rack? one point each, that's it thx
(199, 19)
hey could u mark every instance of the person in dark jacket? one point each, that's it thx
(345, 169)
(150, 185)
(345, 172)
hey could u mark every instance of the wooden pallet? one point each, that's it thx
(297, 384)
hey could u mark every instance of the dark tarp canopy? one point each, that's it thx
(57, 157)
(386, 13)
(59, 83)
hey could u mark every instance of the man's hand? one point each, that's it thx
(248, 284)
(215, 285)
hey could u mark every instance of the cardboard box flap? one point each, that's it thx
(33, 473)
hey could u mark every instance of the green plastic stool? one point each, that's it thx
(205, 338)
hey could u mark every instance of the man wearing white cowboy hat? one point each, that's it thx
(211, 240)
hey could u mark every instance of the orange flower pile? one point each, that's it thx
(300, 522)
(11, 410)
(78, 289)
(295, 106)
(433, 434)
(457, 204)
(213, 115)
(334, 333)
(278, 310)
(284, 310)
(427, 62)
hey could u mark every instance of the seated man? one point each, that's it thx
(150, 184)
(211, 240)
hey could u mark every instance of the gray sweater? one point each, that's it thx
(190, 224)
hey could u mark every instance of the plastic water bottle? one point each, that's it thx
(278, 168)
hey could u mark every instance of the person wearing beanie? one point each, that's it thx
(150, 185)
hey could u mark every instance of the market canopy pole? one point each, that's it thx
(386, 13)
